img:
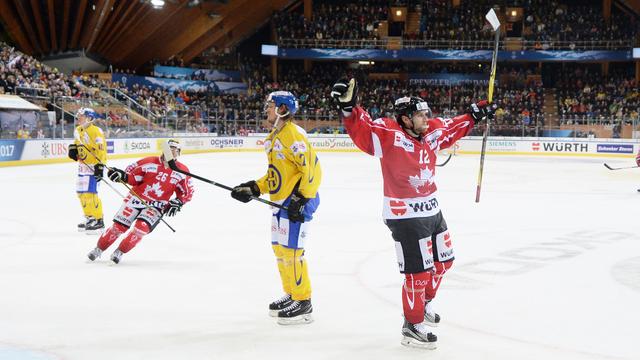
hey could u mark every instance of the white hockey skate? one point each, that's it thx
(94, 254)
(418, 336)
(298, 312)
(116, 256)
(430, 317)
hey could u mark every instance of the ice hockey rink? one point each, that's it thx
(547, 267)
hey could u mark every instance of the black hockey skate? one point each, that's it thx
(83, 224)
(298, 312)
(418, 335)
(94, 226)
(280, 304)
(94, 254)
(430, 317)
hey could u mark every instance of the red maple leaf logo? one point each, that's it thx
(398, 207)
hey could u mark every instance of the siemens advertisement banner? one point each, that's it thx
(183, 73)
(474, 55)
(179, 85)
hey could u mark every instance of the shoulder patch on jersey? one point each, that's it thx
(298, 147)
(401, 141)
(432, 139)
(267, 145)
(277, 145)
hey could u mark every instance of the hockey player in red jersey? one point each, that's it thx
(407, 148)
(153, 184)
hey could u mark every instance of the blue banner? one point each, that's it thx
(11, 150)
(449, 79)
(615, 148)
(475, 55)
(232, 87)
(183, 73)
(167, 84)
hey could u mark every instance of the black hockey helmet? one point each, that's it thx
(408, 105)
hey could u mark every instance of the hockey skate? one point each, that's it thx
(418, 336)
(298, 312)
(94, 226)
(83, 224)
(116, 256)
(430, 317)
(280, 304)
(94, 254)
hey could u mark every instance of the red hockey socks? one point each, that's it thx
(140, 229)
(439, 269)
(111, 235)
(413, 292)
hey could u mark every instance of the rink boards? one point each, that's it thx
(28, 152)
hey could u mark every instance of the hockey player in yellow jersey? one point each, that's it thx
(292, 179)
(89, 149)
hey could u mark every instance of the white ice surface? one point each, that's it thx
(547, 267)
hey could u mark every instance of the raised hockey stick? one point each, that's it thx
(495, 24)
(168, 156)
(620, 168)
(126, 185)
(445, 162)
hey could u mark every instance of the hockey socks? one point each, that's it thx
(413, 296)
(296, 273)
(111, 235)
(140, 229)
(440, 268)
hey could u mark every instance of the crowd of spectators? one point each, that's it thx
(544, 24)
(585, 95)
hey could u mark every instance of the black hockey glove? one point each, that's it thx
(174, 206)
(345, 94)
(482, 110)
(73, 152)
(117, 175)
(296, 207)
(245, 191)
(98, 172)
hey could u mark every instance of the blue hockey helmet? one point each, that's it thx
(88, 112)
(285, 98)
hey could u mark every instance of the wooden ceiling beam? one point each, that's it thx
(104, 13)
(27, 25)
(111, 20)
(65, 25)
(52, 25)
(78, 28)
(138, 40)
(118, 26)
(37, 15)
(139, 15)
(14, 28)
(240, 17)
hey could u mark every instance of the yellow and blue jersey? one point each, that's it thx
(292, 162)
(91, 138)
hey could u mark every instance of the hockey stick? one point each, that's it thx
(495, 24)
(620, 168)
(445, 162)
(168, 156)
(126, 185)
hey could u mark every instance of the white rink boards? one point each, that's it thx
(547, 267)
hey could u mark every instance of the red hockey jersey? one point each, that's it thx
(408, 164)
(155, 183)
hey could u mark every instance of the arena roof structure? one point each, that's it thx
(130, 33)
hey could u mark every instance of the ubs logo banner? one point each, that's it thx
(53, 149)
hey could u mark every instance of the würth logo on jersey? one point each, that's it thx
(398, 207)
(422, 206)
(430, 247)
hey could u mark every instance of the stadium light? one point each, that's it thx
(398, 12)
(157, 4)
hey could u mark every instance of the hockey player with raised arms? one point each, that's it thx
(292, 179)
(89, 149)
(153, 185)
(407, 147)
